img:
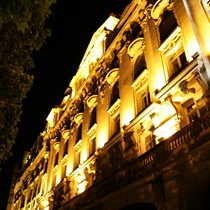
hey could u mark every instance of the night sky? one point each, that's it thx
(72, 25)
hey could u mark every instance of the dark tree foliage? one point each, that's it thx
(22, 31)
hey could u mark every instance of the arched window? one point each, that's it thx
(167, 25)
(140, 66)
(115, 93)
(93, 117)
(79, 133)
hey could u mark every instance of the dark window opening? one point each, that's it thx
(93, 117)
(115, 93)
(140, 66)
(167, 25)
(79, 133)
(92, 146)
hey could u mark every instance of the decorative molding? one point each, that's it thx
(136, 47)
(112, 76)
(171, 41)
(66, 134)
(56, 146)
(92, 101)
(114, 109)
(78, 118)
(159, 8)
(141, 81)
(92, 131)
(78, 145)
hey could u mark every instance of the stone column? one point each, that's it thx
(201, 27)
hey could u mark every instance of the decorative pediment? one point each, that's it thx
(66, 134)
(56, 146)
(136, 47)
(92, 101)
(78, 118)
(112, 76)
(159, 8)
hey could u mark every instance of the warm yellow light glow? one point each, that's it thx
(155, 120)
(84, 156)
(82, 186)
(45, 203)
(102, 138)
(111, 23)
(50, 117)
(192, 47)
(161, 81)
(58, 178)
(167, 129)
(127, 116)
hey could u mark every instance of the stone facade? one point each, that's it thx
(133, 128)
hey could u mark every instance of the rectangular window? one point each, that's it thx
(92, 146)
(76, 159)
(176, 62)
(149, 143)
(56, 159)
(146, 99)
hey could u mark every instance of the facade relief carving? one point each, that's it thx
(130, 147)
(159, 7)
(66, 191)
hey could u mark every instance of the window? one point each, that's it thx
(76, 158)
(167, 25)
(195, 109)
(140, 65)
(142, 100)
(79, 133)
(92, 146)
(56, 159)
(141, 92)
(176, 62)
(149, 143)
(173, 54)
(114, 113)
(116, 125)
(65, 149)
(77, 151)
(93, 117)
(115, 93)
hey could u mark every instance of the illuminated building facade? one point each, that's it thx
(133, 128)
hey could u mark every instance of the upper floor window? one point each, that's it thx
(173, 54)
(141, 91)
(167, 25)
(115, 93)
(176, 61)
(195, 109)
(79, 133)
(140, 65)
(114, 113)
(93, 117)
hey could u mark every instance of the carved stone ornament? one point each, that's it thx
(112, 76)
(66, 134)
(114, 109)
(78, 118)
(56, 146)
(92, 101)
(159, 8)
(136, 47)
